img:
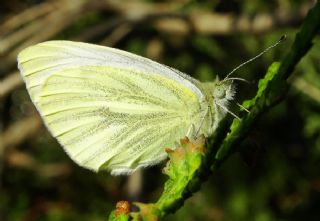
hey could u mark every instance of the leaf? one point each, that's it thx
(262, 85)
(183, 171)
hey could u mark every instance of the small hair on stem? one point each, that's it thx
(242, 107)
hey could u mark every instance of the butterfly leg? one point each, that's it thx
(191, 132)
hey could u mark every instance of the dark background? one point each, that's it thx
(274, 176)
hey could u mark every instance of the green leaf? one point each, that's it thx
(121, 217)
(182, 168)
(183, 171)
(262, 85)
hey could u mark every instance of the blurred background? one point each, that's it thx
(274, 176)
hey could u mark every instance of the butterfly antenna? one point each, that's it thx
(283, 38)
(235, 79)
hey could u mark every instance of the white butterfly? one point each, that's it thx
(114, 110)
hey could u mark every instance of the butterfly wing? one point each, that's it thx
(109, 109)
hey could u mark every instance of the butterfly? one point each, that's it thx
(114, 110)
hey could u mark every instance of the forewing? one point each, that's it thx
(114, 118)
(40, 61)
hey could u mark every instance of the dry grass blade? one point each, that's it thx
(19, 132)
(10, 83)
(29, 15)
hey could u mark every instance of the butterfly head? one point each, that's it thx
(223, 92)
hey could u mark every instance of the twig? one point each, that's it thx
(58, 21)
(15, 135)
(26, 16)
(15, 158)
(19, 132)
(10, 83)
(307, 88)
(169, 18)
(119, 33)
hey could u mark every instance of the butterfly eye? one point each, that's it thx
(219, 92)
